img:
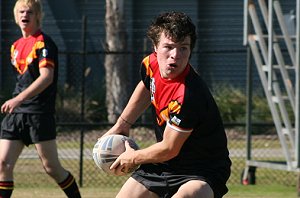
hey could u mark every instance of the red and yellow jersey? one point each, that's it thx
(186, 105)
(167, 96)
(25, 50)
(28, 55)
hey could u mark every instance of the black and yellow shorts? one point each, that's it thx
(29, 128)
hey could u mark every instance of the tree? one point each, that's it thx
(115, 60)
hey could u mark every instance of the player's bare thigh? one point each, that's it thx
(10, 150)
(47, 151)
(134, 189)
(194, 189)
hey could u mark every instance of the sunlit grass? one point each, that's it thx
(235, 191)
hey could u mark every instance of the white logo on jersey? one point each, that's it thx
(44, 53)
(176, 120)
(152, 88)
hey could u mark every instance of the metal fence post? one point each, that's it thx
(84, 21)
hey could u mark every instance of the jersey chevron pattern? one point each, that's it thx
(28, 55)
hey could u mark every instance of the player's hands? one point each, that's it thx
(118, 128)
(10, 105)
(124, 164)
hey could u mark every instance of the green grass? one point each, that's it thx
(57, 193)
(261, 191)
(235, 191)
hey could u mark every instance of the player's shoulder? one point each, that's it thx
(44, 37)
(194, 79)
(149, 65)
(47, 41)
(150, 59)
(17, 41)
(196, 85)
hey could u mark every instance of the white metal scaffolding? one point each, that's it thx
(275, 51)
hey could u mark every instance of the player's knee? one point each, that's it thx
(6, 170)
(194, 189)
(6, 167)
(56, 171)
(50, 170)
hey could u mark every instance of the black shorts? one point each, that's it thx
(165, 184)
(30, 128)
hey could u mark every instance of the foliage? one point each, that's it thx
(232, 104)
(72, 107)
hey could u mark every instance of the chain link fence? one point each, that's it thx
(81, 116)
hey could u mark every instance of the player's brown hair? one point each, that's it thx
(176, 25)
(36, 5)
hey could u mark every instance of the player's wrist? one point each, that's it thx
(125, 121)
(19, 98)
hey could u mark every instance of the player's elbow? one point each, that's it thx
(47, 81)
(170, 152)
(173, 153)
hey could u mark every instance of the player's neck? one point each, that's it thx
(28, 33)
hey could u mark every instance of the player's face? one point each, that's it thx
(26, 19)
(172, 57)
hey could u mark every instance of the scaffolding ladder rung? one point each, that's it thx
(286, 131)
(256, 38)
(276, 99)
(289, 67)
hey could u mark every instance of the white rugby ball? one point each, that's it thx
(108, 148)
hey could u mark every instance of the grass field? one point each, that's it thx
(32, 182)
(235, 191)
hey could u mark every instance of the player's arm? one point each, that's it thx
(162, 151)
(40, 84)
(137, 104)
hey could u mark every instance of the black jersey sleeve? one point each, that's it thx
(48, 50)
(144, 77)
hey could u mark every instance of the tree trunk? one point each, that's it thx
(115, 60)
